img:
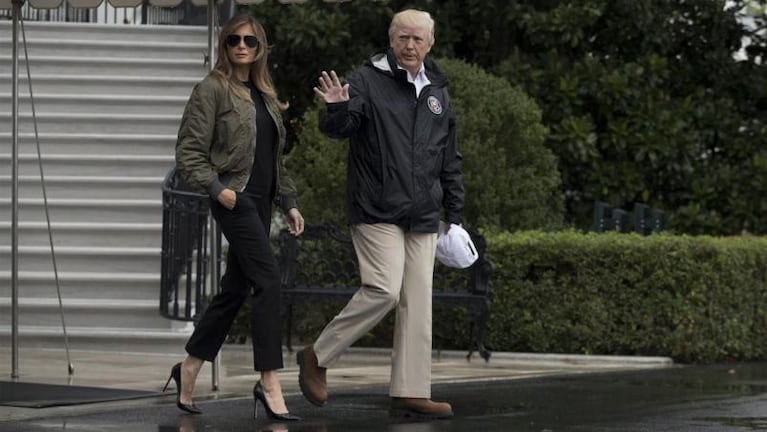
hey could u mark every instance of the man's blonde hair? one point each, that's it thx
(412, 18)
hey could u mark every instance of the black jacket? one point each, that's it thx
(404, 165)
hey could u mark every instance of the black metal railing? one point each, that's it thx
(184, 256)
(646, 220)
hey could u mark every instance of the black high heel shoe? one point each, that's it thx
(175, 375)
(258, 395)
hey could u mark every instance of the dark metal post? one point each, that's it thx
(15, 190)
(144, 11)
(619, 220)
(216, 364)
(601, 210)
(640, 218)
(657, 220)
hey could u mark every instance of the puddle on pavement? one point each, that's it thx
(753, 423)
(521, 405)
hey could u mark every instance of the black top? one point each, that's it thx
(261, 180)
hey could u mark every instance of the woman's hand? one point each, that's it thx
(295, 222)
(330, 88)
(227, 198)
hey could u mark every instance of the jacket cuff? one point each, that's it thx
(287, 203)
(215, 188)
(453, 219)
(333, 107)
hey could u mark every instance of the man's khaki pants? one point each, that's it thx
(396, 269)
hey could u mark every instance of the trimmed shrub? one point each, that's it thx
(696, 299)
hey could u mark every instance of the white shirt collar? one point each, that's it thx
(419, 81)
(421, 74)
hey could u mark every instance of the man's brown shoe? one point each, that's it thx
(311, 377)
(420, 408)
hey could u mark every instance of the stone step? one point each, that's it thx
(83, 258)
(139, 339)
(92, 143)
(102, 104)
(108, 100)
(104, 32)
(162, 85)
(96, 123)
(60, 186)
(85, 210)
(92, 164)
(193, 67)
(85, 313)
(84, 285)
(130, 235)
(66, 45)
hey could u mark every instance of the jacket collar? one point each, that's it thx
(384, 61)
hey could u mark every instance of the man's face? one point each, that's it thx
(410, 45)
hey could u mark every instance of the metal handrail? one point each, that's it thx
(184, 256)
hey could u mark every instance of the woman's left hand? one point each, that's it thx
(295, 222)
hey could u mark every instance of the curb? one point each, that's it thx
(522, 357)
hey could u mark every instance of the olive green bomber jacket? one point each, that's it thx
(217, 138)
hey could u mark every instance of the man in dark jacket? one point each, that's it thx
(404, 173)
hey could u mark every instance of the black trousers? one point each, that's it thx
(251, 267)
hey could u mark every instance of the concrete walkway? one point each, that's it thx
(358, 369)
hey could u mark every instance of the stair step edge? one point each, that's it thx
(83, 276)
(85, 250)
(81, 303)
(85, 332)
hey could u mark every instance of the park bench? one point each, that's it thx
(321, 264)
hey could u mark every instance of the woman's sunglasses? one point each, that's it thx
(234, 39)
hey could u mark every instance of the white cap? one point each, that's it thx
(455, 248)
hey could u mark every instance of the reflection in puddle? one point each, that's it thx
(754, 423)
(190, 423)
(63, 425)
(424, 426)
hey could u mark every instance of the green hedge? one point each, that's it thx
(696, 299)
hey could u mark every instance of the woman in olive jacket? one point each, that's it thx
(229, 145)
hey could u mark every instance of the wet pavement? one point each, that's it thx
(681, 398)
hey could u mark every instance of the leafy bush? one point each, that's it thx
(647, 106)
(697, 299)
(660, 102)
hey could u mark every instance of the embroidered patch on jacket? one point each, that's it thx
(434, 105)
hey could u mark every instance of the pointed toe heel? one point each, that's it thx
(258, 395)
(190, 408)
(175, 375)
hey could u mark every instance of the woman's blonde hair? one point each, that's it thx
(259, 69)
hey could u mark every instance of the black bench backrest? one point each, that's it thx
(322, 263)
(323, 257)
